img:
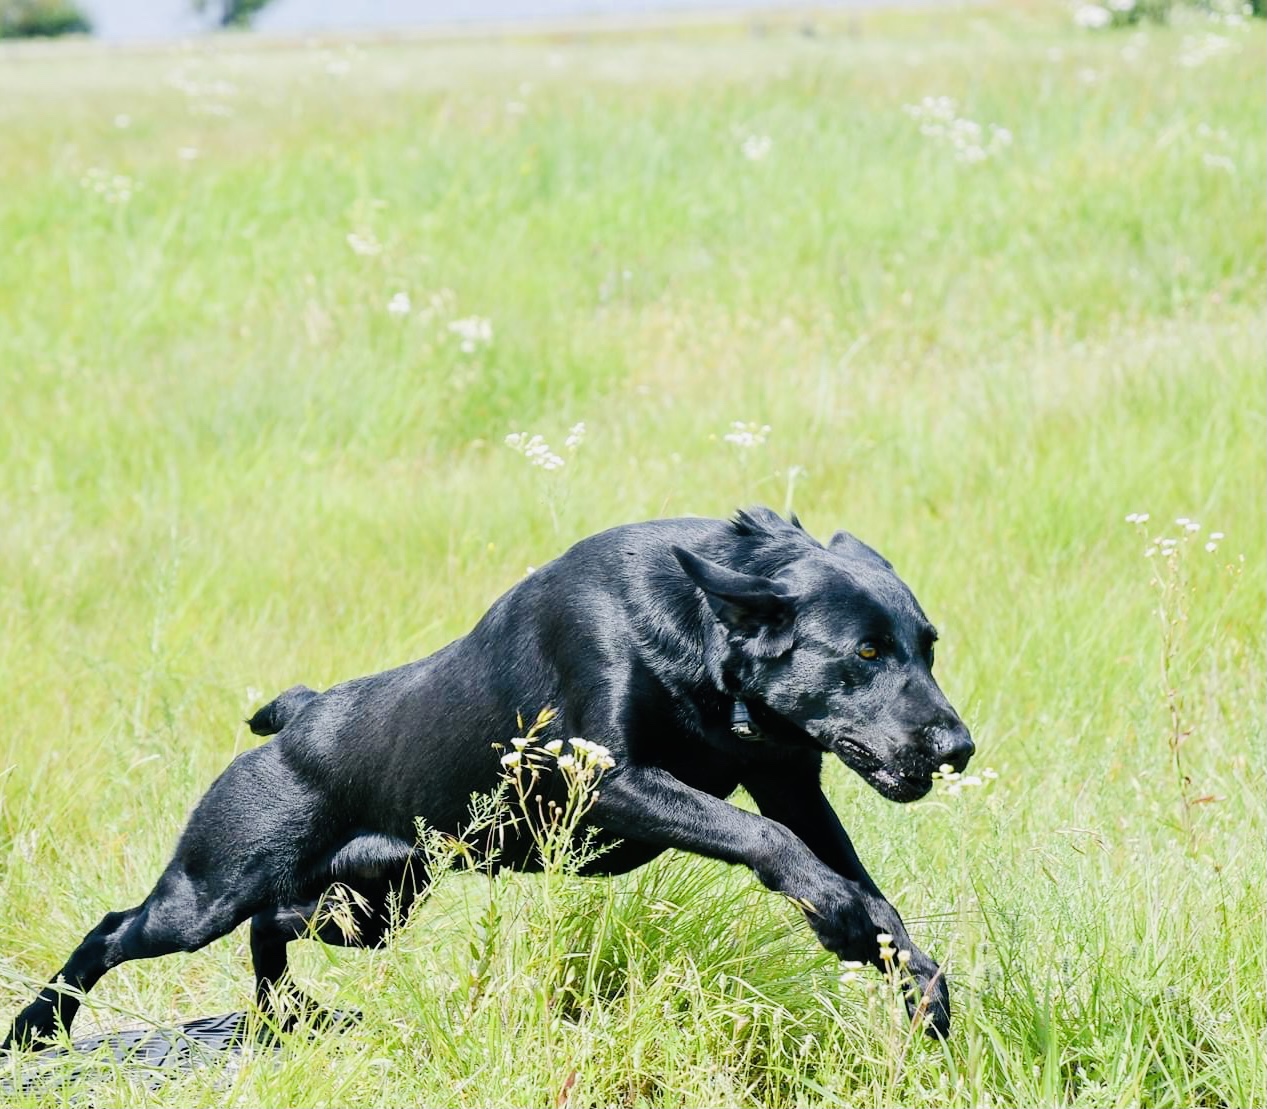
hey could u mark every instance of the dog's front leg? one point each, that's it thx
(791, 794)
(649, 805)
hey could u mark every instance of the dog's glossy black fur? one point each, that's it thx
(642, 638)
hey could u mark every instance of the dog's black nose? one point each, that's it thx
(953, 745)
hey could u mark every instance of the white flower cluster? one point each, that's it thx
(1199, 49)
(584, 761)
(756, 147)
(1217, 137)
(956, 783)
(1092, 17)
(938, 119)
(1169, 547)
(895, 963)
(437, 304)
(204, 95)
(473, 331)
(1095, 17)
(365, 245)
(537, 451)
(586, 758)
(747, 434)
(113, 188)
(853, 972)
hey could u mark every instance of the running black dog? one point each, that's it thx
(704, 654)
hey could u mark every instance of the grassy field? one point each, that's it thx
(233, 458)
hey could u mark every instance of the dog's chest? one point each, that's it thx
(706, 762)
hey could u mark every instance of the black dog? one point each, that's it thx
(703, 654)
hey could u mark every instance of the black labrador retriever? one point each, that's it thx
(704, 654)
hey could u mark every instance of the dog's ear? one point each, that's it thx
(850, 546)
(758, 608)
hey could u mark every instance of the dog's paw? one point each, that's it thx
(843, 927)
(31, 1031)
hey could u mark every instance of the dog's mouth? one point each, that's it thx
(888, 781)
(896, 785)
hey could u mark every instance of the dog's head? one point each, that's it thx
(834, 644)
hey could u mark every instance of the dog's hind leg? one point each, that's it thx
(379, 880)
(231, 863)
(179, 915)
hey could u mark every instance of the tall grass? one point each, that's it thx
(226, 466)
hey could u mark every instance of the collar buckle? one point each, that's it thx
(741, 723)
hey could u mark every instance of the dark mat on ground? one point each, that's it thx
(153, 1054)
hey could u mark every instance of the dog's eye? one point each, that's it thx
(869, 652)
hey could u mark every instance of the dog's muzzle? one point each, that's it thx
(952, 745)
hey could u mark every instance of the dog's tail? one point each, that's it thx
(274, 716)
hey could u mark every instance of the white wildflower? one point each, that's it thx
(554, 746)
(536, 450)
(512, 761)
(1219, 161)
(123, 121)
(971, 142)
(1216, 535)
(747, 435)
(955, 783)
(756, 147)
(399, 305)
(473, 331)
(364, 245)
(1092, 17)
(1192, 525)
(113, 188)
(591, 755)
(1211, 547)
(1197, 50)
(187, 153)
(852, 972)
(1137, 518)
(576, 436)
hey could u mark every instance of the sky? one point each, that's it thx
(121, 20)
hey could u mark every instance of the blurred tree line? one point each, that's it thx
(231, 13)
(33, 18)
(29, 18)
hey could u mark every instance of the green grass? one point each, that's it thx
(225, 468)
